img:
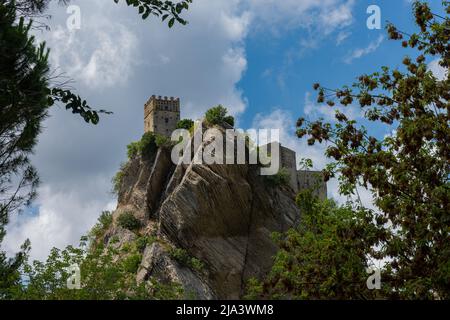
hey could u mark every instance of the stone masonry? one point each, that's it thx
(161, 115)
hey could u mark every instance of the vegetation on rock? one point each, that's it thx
(182, 257)
(185, 124)
(281, 178)
(218, 115)
(128, 221)
(104, 222)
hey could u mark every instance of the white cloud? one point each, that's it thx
(105, 60)
(359, 53)
(342, 36)
(315, 111)
(439, 72)
(64, 215)
(326, 15)
(117, 61)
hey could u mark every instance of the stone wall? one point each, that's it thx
(312, 180)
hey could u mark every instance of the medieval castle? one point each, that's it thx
(161, 115)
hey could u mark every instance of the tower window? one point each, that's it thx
(166, 120)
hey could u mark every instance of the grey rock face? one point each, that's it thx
(223, 215)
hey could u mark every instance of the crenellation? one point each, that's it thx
(300, 179)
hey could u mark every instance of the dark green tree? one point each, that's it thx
(105, 274)
(324, 257)
(218, 115)
(407, 171)
(185, 124)
(26, 94)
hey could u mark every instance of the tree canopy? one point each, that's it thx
(407, 170)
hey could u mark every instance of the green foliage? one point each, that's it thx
(104, 276)
(407, 171)
(128, 221)
(182, 257)
(25, 97)
(10, 271)
(185, 124)
(163, 141)
(106, 272)
(23, 106)
(281, 178)
(144, 241)
(167, 10)
(324, 257)
(118, 179)
(147, 145)
(103, 223)
(132, 262)
(218, 115)
(74, 103)
(229, 120)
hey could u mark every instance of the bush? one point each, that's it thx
(185, 124)
(128, 221)
(323, 257)
(146, 145)
(183, 258)
(162, 141)
(133, 149)
(218, 115)
(103, 223)
(132, 262)
(117, 179)
(229, 120)
(143, 242)
(283, 177)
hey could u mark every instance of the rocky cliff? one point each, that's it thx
(220, 216)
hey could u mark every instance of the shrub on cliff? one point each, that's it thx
(128, 221)
(146, 145)
(218, 115)
(103, 223)
(117, 179)
(183, 258)
(185, 124)
(282, 177)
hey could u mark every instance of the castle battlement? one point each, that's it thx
(300, 179)
(161, 115)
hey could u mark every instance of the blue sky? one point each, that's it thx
(260, 58)
(280, 72)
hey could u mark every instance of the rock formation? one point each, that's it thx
(222, 215)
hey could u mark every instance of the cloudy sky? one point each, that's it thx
(257, 57)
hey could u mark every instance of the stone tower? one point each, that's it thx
(161, 115)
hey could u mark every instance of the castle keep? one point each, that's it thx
(161, 115)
